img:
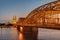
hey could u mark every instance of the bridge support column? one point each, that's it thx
(30, 33)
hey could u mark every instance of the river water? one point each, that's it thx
(42, 34)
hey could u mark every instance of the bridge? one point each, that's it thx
(47, 16)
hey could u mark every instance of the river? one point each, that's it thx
(42, 34)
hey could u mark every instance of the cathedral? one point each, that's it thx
(14, 20)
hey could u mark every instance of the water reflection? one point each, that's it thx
(28, 33)
(21, 36)
(8, 34)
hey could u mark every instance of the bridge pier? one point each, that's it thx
(30, 33)
(28, 29)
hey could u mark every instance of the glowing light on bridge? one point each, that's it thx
(21, 29)
(47, 15)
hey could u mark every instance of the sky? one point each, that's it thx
(18, 8)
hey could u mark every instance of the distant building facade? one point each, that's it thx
(14, 20)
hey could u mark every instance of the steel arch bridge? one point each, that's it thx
(47, 15)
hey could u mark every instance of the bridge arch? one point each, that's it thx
(48, 13)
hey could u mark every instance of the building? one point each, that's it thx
(14, 20)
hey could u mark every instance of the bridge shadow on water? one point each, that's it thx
(28, 33)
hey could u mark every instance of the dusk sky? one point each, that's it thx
(18, 8)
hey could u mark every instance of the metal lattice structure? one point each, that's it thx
(48, 13)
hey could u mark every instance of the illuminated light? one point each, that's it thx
(21, 29)
(21, 37)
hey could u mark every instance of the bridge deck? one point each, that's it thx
(42, 25)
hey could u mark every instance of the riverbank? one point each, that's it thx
(7, 26)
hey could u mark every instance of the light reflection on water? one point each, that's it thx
(8, 34)
(21, 36)
(48, 34)
(27, 34)
(42, 34)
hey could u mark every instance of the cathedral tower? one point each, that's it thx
(14, 20)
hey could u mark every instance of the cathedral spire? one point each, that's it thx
(14, 20)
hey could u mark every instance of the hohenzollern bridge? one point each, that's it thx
(47, 15)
